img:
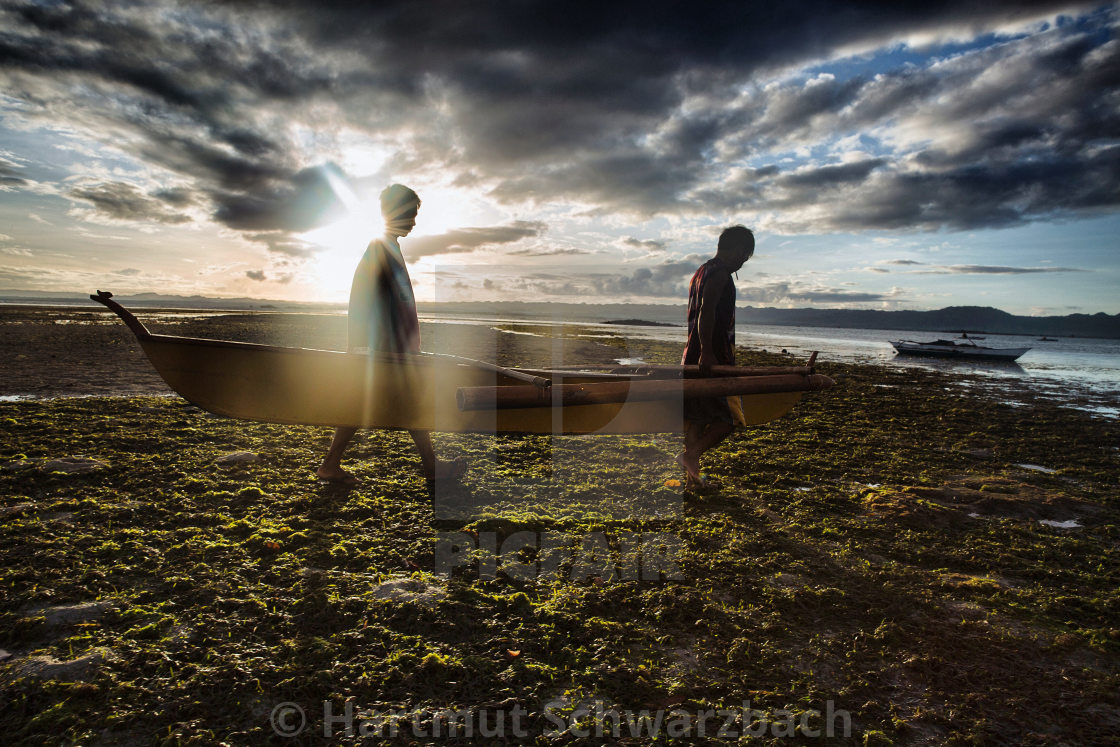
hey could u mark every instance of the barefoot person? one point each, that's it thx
(382, 318)
(711, 341)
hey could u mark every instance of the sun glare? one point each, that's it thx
(343, 243)
(442, 210)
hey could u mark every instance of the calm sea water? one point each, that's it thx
(1084, 369)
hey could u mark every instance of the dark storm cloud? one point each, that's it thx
(652, 245)
(983, 195)
(296, 202)
(1020, 131)
(831, 176)
(279, 242)
(176, 196)
(1030, 143)
(564, 61)
(634, 180)
(9, 175)
(570, 252)
(185, 94)
(123, 202)
(196, 63)
(470, 239)
(670, 280)
(836, 296)
(665, 279)
(996, 270)
(969, 269)
(257, 275)
(629, 108)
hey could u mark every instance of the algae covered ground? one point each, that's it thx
(913, 557)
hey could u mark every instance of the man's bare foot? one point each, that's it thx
(336, 475)
(691, 466)
(703, 485)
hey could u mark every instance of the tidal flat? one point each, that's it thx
(936, 557)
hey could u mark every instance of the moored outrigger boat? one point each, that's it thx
(966, 350)
(445, 393)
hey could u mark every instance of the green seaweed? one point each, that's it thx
(838, 560)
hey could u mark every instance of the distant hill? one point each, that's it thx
(952, 319)
(978, 319)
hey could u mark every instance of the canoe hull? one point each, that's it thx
(321, 387)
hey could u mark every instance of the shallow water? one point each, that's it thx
(1070, 524)
(1079, 372)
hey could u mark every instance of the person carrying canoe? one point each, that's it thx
(382, 318)
(711, 341)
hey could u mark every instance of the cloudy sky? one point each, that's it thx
(886, 156)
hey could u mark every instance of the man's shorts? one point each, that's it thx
(706, 410)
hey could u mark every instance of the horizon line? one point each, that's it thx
(15, 296)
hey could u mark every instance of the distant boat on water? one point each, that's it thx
(1048, 339)
(967, 350)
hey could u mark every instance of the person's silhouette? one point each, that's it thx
(382, 318)
(711, 341)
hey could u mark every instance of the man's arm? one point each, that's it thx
(713, 290)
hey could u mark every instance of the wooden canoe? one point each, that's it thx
(443, 393)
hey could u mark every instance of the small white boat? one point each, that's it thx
(966, 350)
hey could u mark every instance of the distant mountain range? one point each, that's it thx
(978, 319)
(952, 319)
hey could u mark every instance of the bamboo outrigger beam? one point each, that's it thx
(511, 397)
